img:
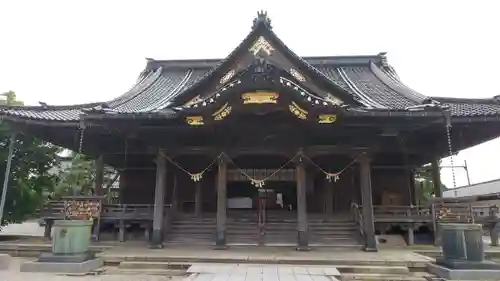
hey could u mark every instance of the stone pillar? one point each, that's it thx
(220, 237)
(328, 196)
(367, 204)
(158, 213)
(436, 178)
(99, 176)
(302, 239)
(494, 234)
(411, 235)
(198, 199)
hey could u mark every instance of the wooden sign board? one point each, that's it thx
(84, 208)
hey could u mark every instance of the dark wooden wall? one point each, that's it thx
(137, 186)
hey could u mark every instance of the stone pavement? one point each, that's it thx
(267, 255)
(13, 274)
(254, 272)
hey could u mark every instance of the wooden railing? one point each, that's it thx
(357, 216)
(120, 215)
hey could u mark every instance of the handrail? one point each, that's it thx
(358, 217)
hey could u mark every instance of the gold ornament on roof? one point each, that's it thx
(223, 112)
(297, 75)
(261, 44)
(260, 97)
(194, 120)
(297, 111)
(327, 118)
(227, 76)
(333, 100)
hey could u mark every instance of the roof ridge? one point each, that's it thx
(466, 100)
(50, 107)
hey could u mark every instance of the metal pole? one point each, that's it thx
(7, 174)
(467, 171)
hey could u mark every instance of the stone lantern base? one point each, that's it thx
(70, 250)
(463, 255)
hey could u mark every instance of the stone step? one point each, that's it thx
(153, 265)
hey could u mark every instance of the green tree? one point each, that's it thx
(29, 175)
(425, 184)
(78, 176)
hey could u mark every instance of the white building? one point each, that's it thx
(483, 188)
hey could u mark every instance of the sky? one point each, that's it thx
(68, 52)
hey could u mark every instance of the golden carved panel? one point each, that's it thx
(327, 118)
(223, 112)
(260, 97)
(194, 120)
(297, 111)
(261, 44)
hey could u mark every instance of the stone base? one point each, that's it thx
(302, 241)
(4, 261)
(59, 258)
(62, 267)
(463, 274)
(473, 265)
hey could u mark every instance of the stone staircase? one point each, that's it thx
(190, 230)
(280, 229)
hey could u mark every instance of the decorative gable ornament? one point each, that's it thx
(332, 99)
(227, 76)
(261, 44)
(297, 75)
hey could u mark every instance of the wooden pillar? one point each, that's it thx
(328, 197)
(220, 237)
(436, 178)
(198, 199)
(367, 204)
(99, 176)
(161, 178)
(302, 239)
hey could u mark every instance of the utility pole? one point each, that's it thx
(7, 174)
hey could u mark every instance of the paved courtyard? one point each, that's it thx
(13, 274)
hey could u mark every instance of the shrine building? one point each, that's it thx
(265, 146)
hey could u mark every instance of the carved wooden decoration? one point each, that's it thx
(261, 44)
(227, 76)
(260, 97)
(223, 112)
(332, 99)
(327, 118)
(297, 75)
(297, 111)
(194, 120)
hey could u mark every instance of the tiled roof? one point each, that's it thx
(471, 107)
(157, 88)
(50, 113)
